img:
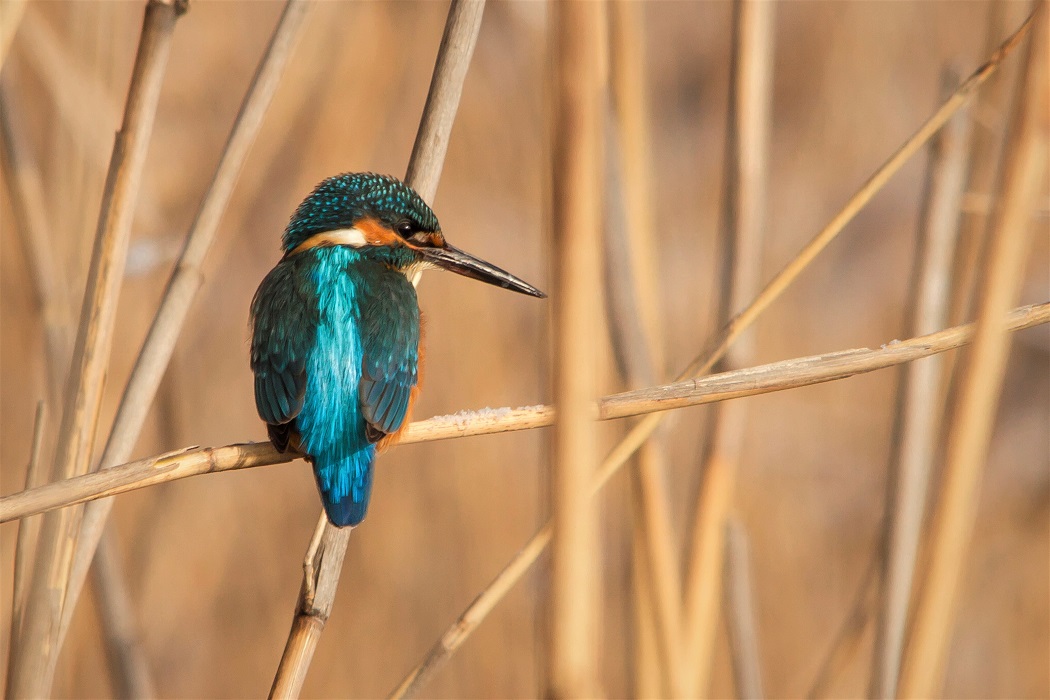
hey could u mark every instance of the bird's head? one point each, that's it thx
(369, 211)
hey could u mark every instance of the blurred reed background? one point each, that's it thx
(212, 564)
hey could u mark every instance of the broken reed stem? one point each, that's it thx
(741, 621)
(703, 362)
(763, 379)
(972, 425)
(578, 53)
(183, 285)
(743, 221)
(636, 329)
(919, 396)
(317, 596)
(27, 531)
(32, 670)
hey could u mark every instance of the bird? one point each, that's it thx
(336, 337)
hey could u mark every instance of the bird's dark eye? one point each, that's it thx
(405, 229)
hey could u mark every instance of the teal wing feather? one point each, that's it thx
(284, 323)
(389, 348)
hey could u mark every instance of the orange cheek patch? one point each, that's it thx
(376, 233)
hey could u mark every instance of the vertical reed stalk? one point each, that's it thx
(579, 77)
(919, 395)
(740, 613)
(743, 221)
(317, 595)
(636, 322)
(971, 430)
(32, 672)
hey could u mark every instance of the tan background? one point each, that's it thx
(213, 562)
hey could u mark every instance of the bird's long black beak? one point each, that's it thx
(455, 260)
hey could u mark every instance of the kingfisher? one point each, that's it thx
(336, 345)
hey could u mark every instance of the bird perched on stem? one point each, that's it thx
(336, 342)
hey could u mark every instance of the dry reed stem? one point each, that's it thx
(128, 667)
(183, 285)
(27, 531)
(703, 362)
(49, 284)
(919, 396)
(973, 422)
(578, 53)
(323, 564)
(763, 379)
(636, 328)
(741, 622)
(30, 210)
(446, 86)
(743, 221)
(317, 596)
(32, 671)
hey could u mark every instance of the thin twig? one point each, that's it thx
(27, 531)
(919, 399)
(973, 422)
(636, 329)
(32, 672)
(317, 598)
(741, 622)
(182, 288)
(578, 52)
(743, 221)
(763, 379)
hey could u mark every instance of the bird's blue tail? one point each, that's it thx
(345, 481)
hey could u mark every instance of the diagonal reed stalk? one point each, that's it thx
(717, 348)
(919, 396)
(763, 379)
(743, 222)
(971, 429)
(33, 663)
(324, 558)
(578, 53)
(182, 287)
